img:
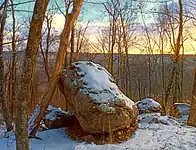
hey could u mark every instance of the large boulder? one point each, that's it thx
(95, 99)
(148, 105)
(180, 111)
(57, 118)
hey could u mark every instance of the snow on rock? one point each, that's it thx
(148, 105)
(54, 112)
(95, 99)
(31, 124)
(180, 111)
(57, 118)
(99, 84)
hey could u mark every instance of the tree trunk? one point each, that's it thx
(127, 69)
(72, 45)
(192, 116)
(167, 92)
(177, 53)
(2, 98)
(175, 71)
(28, 73)
(150, 75)
(45, 51)
(13, 65)
(162, 71)
(120, 57)
(182, 74)
(39, 111)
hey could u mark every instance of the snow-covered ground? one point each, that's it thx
(166, 134)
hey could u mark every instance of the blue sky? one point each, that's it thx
(92, 12)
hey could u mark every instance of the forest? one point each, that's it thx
(97, 74)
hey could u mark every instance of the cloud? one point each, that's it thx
(58, 21)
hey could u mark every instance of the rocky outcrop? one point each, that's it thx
(148, 105)
(180, 111)
(95, 99)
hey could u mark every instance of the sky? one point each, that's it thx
(92, 9)
(91, 12)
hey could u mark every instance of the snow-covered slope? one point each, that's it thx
(167, 134)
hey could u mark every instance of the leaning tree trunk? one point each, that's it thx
(2, 98)
(22, 141)
(192, 116)
(39, 111)
(72, 47)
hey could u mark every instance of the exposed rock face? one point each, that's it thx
(95, 99)
(148, 105)
(57, 118)
(180, 111)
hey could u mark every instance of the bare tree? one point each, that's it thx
(49, 39)
(192, 116)
(81, 41)
(176, 49)
(13, 63)
(78, 42)
(150, 52)
(111, 8)
(3, 15)
(28, 73)
(39, 112)
(117, 38)
(72, 45)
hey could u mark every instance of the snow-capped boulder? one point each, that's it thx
(57, 118)
(180, 111)
(148, 105)
(95, 99)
